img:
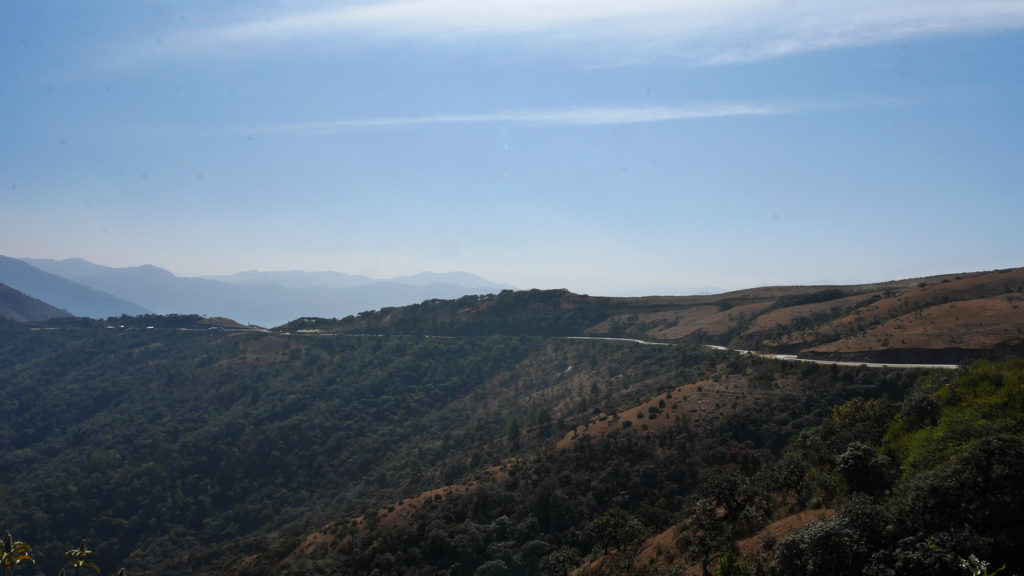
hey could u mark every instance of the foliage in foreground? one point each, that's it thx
(940, 484)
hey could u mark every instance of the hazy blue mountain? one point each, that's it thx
(295, 279)
(262, 301)
(69, 268)
(164, 293)
(75, 297)
(461, 278)
(303, 279)
(20, 307)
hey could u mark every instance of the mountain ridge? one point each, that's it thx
(334, 279)
(945, 318)
(261, 298)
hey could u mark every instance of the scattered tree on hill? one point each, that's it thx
(616, 530)
(561, 562)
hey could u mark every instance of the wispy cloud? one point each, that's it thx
(702, 31)
(567, 117)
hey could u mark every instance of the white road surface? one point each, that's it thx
(792, 358)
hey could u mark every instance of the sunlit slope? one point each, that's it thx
(941, 318)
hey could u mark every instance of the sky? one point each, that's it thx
(607, 147)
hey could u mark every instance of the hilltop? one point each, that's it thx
(946, 318)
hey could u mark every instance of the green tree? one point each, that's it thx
(616, 529)
(707, 535)
(561, 562)
(863, 469)
(828, 547)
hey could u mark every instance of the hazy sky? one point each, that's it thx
(603, 146)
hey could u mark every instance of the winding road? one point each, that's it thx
(786, 357)
(793, 358)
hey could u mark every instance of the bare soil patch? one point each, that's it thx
(973, 324)
(698, 404)
(785, 316)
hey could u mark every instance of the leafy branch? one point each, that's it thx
(13, 553)
(77, 559)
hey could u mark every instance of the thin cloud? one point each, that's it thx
(702, 31)
(568, 117)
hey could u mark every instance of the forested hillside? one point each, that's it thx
(880, 486)
(481, 436)
(173, 447)
(184, 449)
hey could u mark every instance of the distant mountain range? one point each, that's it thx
(340, 280)
(262, 298)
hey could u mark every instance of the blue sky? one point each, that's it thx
(603, 146)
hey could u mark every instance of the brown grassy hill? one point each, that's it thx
(937, 319)
(975, 316)
(944, 319)
(984, 323)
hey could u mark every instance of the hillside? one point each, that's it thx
(151, 441)
(20, 307)
(139, 438)
(879, 486)
(946, 318)
(484, 436)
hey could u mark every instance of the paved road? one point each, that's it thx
(792, 358)
(633, 340)
(786, 357)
